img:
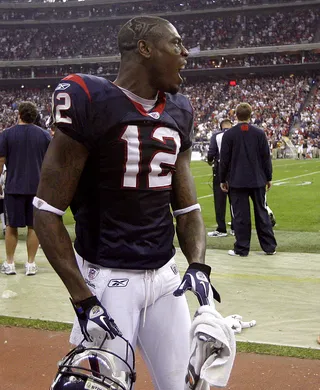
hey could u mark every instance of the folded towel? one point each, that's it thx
(213, 350)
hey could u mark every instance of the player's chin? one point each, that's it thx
(174, 86)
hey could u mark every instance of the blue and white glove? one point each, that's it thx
(95, 322)
(197, 280)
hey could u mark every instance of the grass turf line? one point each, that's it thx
(262, 349)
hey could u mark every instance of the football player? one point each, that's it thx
(120, 158)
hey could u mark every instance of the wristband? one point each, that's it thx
(82, 306)
(205, 268)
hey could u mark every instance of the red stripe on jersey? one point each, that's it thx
(160, 105)
(79, 80)
(138, 106)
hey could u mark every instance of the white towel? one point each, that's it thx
(213, 350)
(236, 324)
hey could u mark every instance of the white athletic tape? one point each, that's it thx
(187, 210)
(43, 205)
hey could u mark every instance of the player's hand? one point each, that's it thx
(95, 322)
(268, 186)
(224, 187)
(197, 280)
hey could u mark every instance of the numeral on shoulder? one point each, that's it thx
(60, 117)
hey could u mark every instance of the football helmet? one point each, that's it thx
(95, 368)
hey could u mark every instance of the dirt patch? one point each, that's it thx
(28, 361)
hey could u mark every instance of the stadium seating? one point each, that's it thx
(284, 103)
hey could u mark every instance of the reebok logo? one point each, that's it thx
(62, 86)
(118, 283)
(174, 269)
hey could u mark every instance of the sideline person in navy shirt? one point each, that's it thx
(219, 196)
(22, 149)
(246, 172)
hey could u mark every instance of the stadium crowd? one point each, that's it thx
(290, 27)
(198, 32)
(111, 68)
(100, 10)
(279, 105)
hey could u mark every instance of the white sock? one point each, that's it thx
(2, 221)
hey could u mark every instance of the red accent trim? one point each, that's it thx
(161, 103)
(159, 108)
(139, 107)
(244, 127)
(79, 80)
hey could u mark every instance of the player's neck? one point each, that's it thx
(135, 84)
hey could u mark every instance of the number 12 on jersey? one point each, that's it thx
(156, 177)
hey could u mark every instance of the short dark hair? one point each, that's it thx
(243, 111)
(28, 112)
(140, 27)
(225, 120)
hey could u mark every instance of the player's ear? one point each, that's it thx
(144, 48)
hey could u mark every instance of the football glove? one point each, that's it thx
(94, 321)
(197, 280)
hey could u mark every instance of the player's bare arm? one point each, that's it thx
(190, 226)
(60, 174)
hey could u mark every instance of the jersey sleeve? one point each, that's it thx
(187, 139)
(71, 110)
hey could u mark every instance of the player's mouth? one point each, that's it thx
(182, 67)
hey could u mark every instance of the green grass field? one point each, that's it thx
(294, 199)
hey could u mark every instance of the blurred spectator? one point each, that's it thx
(22, 149)
(199, 32)
(281, 104)
(100, 10)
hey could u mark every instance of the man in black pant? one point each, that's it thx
(220, 197)
(246, 172)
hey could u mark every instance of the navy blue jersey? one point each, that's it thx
(245, 160)
(24, 147)
(122, 204)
